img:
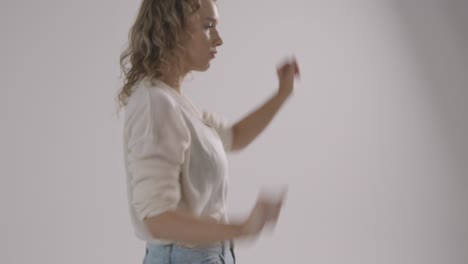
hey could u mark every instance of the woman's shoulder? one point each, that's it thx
(154, 94)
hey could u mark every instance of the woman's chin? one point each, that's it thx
(203, 68)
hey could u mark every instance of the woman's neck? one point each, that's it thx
(174, 79)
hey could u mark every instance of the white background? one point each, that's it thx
(372, 144)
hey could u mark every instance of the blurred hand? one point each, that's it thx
(265, 212)
(287, 71)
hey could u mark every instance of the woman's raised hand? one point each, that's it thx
(286, 72)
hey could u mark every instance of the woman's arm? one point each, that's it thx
(183, 227)
(186, 228)
(246, 130)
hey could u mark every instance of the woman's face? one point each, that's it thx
(201, 46)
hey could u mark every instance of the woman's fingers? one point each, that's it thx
(265, 212)
(296, 69)
(288, 70)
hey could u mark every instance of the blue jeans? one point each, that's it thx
(221, 253)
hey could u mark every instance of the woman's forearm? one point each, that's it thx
(185, 228)
(246, 130)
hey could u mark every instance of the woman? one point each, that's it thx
(175, 153)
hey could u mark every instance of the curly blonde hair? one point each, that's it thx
(154, 38)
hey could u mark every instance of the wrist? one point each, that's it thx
(282, 95)
(237, 229)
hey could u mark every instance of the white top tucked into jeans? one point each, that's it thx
(175, 157)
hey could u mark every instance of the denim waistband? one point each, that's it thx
(222, 248)
(228, 244)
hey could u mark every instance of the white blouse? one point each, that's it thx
(175, 157)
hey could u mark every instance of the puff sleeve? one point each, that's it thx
(157, 144)
(222, 127)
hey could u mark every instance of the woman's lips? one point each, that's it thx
(213, 54)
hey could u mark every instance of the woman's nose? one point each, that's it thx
(218, 39)
(220, 42)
